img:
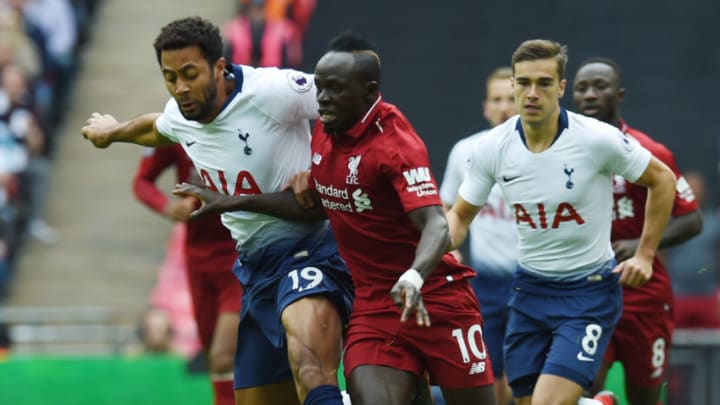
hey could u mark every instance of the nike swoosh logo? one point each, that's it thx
(582, 357)
(507, 179)
(189, 144)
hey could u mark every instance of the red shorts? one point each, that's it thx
(212, 294)
(641, 342)
(451, 350)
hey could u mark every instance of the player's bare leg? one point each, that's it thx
(601, 377)
(282, 393)
(372, 385)
(475, 395)
(221, 356)
(553, 390)
(314, 338)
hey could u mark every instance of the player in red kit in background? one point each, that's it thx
(642, 337)
(370, 177)
(209, 256)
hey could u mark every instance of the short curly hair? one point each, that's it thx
(191, 31)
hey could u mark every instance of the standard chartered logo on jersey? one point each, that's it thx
(340, 199)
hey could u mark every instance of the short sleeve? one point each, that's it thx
(479, 177)
(164, 123)
(455, 168)
(287, 95)
(622, 154)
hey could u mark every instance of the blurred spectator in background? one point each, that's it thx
(17, 112)
(254, 40)
(51, 24)
(156, 332)
(694, 267)
(297, 11)
(171, 296)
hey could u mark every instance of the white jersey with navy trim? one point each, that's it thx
(258, 141)
(493, 234)
(562, 197)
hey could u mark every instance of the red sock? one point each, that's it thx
(224, 392)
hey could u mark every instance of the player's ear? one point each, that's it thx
(371, 89)
(621, 94)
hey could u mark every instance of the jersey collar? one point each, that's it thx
(624, 127)
(359, 128)
(562, 125)
(233, 72)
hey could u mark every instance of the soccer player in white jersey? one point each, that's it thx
(555, 168)
(246, 131)
(493, 234)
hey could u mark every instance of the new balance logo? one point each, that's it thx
(189, 144)
(477, 368)
(582, 357)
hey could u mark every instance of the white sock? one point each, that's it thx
(588, 401)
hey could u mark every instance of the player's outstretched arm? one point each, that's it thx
(459, 218)
(280, 204)
(434, 239)
(660, 181)
(104, 129)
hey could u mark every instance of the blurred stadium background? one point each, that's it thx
(72, 307)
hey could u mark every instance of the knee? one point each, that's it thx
(220, 360)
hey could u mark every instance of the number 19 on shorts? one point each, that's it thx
(306, 278)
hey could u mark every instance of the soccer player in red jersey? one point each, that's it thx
(642, 337)
(209, 257)
(370, 177)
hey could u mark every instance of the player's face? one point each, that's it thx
(538, 89)
(192, 82)
(341, 95)
(597, 92)
(499, 103)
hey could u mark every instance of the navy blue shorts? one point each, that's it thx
(560, 327)
(492, 289)
(287, 273)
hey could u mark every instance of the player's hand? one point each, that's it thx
(211, 200)
(409, 299)
(180, 210)
(300, 185)
(457, 254)
(98, 129)
(624, 248)
(634, 271)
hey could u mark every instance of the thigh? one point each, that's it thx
(371, 385)
(205, 307)
(280, 393)
(257, 360)
(475, 395)
(372, 340)
(643, 346)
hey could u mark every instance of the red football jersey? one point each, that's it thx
(628, 218)
(208, 246)
(368, 180)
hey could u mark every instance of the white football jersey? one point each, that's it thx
(493, 234)
(561, 197)
(259, 140)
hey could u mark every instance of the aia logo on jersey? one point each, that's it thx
(565, 212)
(353, 163)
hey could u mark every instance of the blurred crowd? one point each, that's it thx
(40, 41)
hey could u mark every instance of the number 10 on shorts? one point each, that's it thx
(309, 276)
(474, 334)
